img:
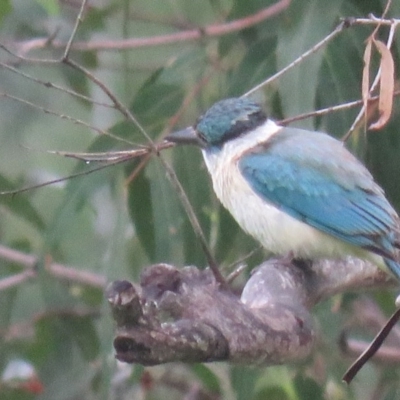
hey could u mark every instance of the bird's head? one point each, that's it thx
(224, 121)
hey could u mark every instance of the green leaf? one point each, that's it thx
(51, 6)
(19, 204)
(272, 393)
(227, 231)
(243, 381)
(275, 381)
(191, 172)
(307, 388)
(307, 23)
(77, 195)
(5, 8)
(156, 102)
(79, 82)
(83, 332)
(167, 213)
(382, 157)
(79, 190)
(141, 212)
(208, 378)
(339, 79)
(63, 370)
(7, 302)
(95, 19)
(255, 66)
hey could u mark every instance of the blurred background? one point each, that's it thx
(56, 333)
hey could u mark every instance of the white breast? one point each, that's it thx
(277, 231)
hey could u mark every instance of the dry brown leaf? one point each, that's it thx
(365, 76)
(386, 85)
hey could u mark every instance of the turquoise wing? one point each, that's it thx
(313, 178)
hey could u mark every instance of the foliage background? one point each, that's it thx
(113, 227)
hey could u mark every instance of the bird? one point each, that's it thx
(297, 192)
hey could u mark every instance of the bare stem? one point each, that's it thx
(60, 271)
(329, 110)
(78, 21)
(51, 85)
(300, 59)
(62, 116)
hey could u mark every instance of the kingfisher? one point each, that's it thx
(295, 191)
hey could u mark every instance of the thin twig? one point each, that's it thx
(17, 257)
(110, 159)
(386, 354)
(298, 60)
(30, 59)
(64, 116)
(171, 123)
(194, 222)
(190, 96)
(78, 21)
(384, 13)
(242, 260)
(372, 348)
(372, 20)
(16, 280)
(329, 110)
(78, 276)
(66, 178)
(51, 85)
(61, 271)
(118, 105)
(236, 272)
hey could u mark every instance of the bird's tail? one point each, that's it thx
(394, 267)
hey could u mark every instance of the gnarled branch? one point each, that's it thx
(184, 315)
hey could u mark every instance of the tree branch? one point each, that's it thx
(161, 40)
(184, 315)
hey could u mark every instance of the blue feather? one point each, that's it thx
(393, 266)
(323, 185)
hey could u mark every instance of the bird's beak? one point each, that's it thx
(185, 136)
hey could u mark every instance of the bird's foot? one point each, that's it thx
(301, 263)
(287, 258)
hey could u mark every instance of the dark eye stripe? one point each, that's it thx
(243, 126)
